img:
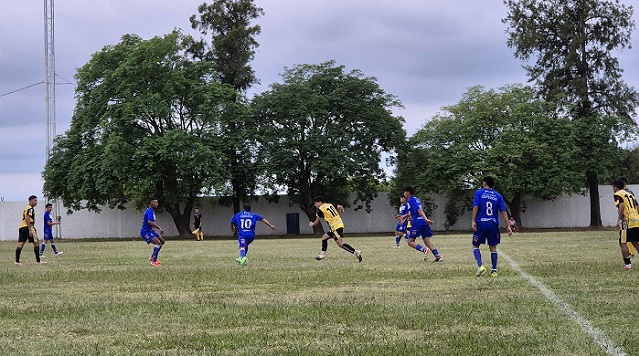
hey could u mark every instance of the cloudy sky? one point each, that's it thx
(425, 52)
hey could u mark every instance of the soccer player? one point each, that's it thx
(244, 224)
(48, 231)
(487, 204)
(335, 227)
(402, 224)
(627, 220)
(197, 223)
(148, 233)
(420, 225)
(631, 248)
(27, 231)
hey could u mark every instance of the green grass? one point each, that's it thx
(103, 298)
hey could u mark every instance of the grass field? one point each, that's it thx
(103, 298)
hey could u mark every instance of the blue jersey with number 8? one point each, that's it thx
(490, 204)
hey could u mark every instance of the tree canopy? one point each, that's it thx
(322, 132)
(146, 124)
(508, 133)
(230, 49)
(571, 43)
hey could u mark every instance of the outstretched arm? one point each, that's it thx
(269, 224)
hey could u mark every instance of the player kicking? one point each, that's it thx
(335, 227)
(420, 225)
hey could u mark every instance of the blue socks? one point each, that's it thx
(156, 251)
(242, 252)
(493, 259)
(477, 255)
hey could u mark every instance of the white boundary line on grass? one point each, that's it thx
(600, 338)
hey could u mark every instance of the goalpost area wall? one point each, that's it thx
(564, 212)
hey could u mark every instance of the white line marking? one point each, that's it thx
(600, 338)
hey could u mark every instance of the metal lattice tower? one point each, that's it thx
(49, 62)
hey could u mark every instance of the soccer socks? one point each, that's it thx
(477, 254)
(242, 252)
(36, 250)
(324, 246)
(156, 251)
(348, 248)
(18, 252)
(419, 248)
(55, 250)
(398, 239)
(42, 249)
(493, 259)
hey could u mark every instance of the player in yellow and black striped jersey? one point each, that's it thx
(27, 231)
(627, 220)
(330, 213)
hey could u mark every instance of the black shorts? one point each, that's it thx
(23, 235)
(629, 235)
(336, 234)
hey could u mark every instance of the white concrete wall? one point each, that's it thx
(565, 211)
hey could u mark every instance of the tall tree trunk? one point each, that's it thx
(515, 209)
(595, 208)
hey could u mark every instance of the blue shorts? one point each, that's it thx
(400, 228)
(486, 231)
(48, 236)
(148, 235)
(420, 230)
(245, 240)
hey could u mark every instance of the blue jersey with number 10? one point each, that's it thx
(245, 222)
(489, 204)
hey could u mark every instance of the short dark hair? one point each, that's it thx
(152, 199)
(490, 181)
(48, 205)
(409, 189)
(319, 199)
(31, 197)
(247, 207)
(619, 183)
(623, 179)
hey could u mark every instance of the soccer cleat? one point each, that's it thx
(319, 257)
(155, 263)
(493, 273)
(426, 252)
(41, 256)
(238, 260)
(438, 259)
(18, 264)
(627, 268)
(480, 270)
(243, 260)
(41, 263)
(359, 255)
(59, 253)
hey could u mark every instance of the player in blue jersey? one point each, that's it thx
(244, 224)
(487, 204)
(402, 224)
(420, 225)
(48, 231)
(148, 233)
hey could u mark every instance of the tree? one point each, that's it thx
(322, 132)
(509, 134)
(231, 48)
(146, 124)
(571, 42)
